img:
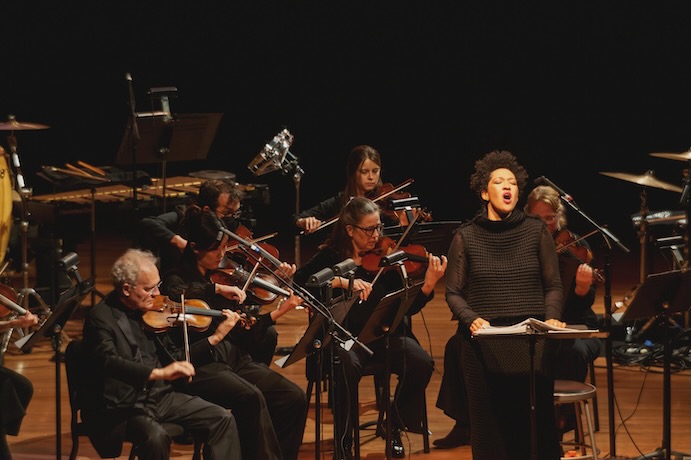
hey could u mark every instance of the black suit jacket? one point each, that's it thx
(119, 375)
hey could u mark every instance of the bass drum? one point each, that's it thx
(5, 203)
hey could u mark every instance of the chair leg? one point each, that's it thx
(197, 449)
(425, 428)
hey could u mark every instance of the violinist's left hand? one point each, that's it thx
(231, 292)
(286, 304)
(231, 318)
(288, 270)
(436, 267)
(585, 277)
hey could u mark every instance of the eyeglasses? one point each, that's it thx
(229, 211)
(151, 290)
(369, 231)
(549, 218)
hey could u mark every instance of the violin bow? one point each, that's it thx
(262, 238)
(375, 199)
(185, 334)
(566, 246)
(248, 246)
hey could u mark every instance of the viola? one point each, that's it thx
(198, 315)
(244, 232)
(6, 308)
(568, 243)
(414, 264)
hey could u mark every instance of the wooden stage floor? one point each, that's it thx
(637, 390)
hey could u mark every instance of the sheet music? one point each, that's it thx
(532, 326)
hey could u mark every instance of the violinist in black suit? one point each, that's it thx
(131, 393)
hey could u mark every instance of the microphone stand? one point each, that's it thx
(276, 155)
(608, 238)
(685, 200)
(251, 248)
(134, 140)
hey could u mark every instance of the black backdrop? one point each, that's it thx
(571, 87)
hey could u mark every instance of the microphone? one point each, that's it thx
(242, 275)
(344, 268)
(393, 258)
(542, 180)
(321, 278)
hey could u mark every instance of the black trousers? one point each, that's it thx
(408, 360)
(211, 422)
(497, 373)
(270, 408)
(452, 398)
(15, 394)
(574, 358)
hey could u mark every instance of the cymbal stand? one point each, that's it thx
(685, 200)
(643, 237)
(24, 192)
(646, 263)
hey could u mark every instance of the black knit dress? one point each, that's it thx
(506, 271)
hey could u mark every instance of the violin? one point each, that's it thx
(244, 232)
(236, 275)
(386, 193)
(198, 315)
(414, 264)
(568, 243)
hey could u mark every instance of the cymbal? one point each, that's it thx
(647, 180)
(683, 156)
(13, 125)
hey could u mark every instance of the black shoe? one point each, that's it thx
(397, 449)
(458, 436)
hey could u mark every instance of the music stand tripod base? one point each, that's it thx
(661, 295)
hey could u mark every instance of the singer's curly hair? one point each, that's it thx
(494, 160)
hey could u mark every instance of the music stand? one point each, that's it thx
(185, 137)
(434, 236)
(660, 295)
(532, 336)
(386, 317)
(388, 313)
(317, 336)
(319, 329)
